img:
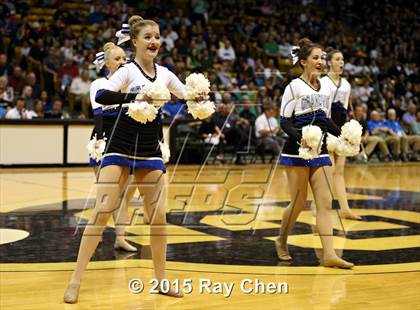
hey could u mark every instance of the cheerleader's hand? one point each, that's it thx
(202, 109)
(143, 97)
(201, 97)
(142, 112)
(304, 144)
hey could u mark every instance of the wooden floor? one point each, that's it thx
(222, 221)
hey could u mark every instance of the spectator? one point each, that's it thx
(174, 109)
(272, 72)
(38, 53)
(377, 128)
(226, 51)
(167, 39)
(36, 87)
(67, 72)
(370, 142)
(5, 68)
(211, 134)
(19, 111)
(172, 33)
(365, 91)
(409, 117)
(229, 122)
(6, 92)
(200, 10)
(79, 93)
(38, 111)
(415, 128)
(57, 111)
(27, 97)
(17, 81)
(271, 47)
(248, 111)
(266, 130)
(46, 102)
(67, 50)
(405, 140)
(3, 111)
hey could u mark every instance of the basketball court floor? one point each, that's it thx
(222, 221)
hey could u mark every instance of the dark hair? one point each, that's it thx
(330, 52)
(305, 49)
(19, 99)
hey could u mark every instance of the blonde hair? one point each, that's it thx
(108, 47)
(137, 22)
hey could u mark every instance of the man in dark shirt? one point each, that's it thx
(246, 113)
(5, 68)
(230, 124)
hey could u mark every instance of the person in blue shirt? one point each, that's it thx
(174, 109)
(3, 112)
(405, 140)
(378, 128)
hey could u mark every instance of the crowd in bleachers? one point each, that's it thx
(47, 48)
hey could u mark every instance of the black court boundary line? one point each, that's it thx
(240, 273)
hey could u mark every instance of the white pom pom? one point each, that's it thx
(197, 85)
(344, 148)
(332, 143)
(352, 132)
(166, 152)
(96, 148)
(158, 93)
(201, 110)
(312, 136)
(142, 111)
(307, 154)
(348, 144)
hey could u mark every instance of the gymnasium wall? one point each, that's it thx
(46, 142)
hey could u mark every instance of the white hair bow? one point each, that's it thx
(294, 53)
(123, 34)
(99, 60)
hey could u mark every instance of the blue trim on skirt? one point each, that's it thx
(97, 111)
(297, 161)
(152, 164)
(94, 163)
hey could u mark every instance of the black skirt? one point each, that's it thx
(130, 143)
(133, 138)
(290, 153)
(338, 114)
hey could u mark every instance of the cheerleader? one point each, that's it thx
(339, 103)
(133, 148)
(306, 102)
(112, 57)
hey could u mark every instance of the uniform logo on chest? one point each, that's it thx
(136, 89)
(314, 101)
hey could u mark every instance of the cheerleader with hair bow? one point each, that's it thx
(112, 58)
(340, 90)
(139, 89)
(303, 112)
